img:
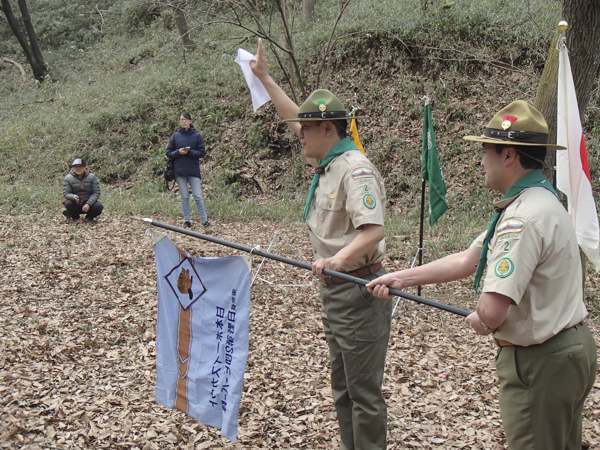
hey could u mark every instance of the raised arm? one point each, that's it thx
(285, 106)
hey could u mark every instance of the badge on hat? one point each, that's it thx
(322, 105)
(507, 121)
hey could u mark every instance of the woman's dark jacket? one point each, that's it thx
(187, 165)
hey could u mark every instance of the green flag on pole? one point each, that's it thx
(431, 171)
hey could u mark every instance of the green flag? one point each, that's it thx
(431, 171)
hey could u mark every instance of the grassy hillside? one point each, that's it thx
(119, 78)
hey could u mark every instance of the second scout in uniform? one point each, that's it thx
(345, 214)
(532, 297)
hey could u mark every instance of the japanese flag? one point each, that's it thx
(572, 169)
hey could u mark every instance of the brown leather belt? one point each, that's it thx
(501, 343)
(359, 273)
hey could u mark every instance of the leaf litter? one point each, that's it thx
(77, 349)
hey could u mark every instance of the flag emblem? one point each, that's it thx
(504, 268)
(185, 283)
(369, 201)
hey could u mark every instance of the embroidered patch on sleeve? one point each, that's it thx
(509, 236)
(362, 173)
(369, 201)
(504, 268)
(512, 226)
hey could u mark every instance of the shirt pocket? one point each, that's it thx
(332, 217)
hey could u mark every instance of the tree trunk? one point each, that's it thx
(38, 71)
(184, 31)
(545, 102)
(583, 42)
(39, 66)
(308, 10)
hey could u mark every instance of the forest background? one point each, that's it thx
(119, 73)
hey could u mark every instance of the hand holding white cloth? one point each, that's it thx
(257, 90)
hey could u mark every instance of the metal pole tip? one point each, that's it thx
(562, 26)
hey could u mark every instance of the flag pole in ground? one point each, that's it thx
(303, 265)
(421, 227)
(572, 167)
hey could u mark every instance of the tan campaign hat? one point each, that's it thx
(518, 123)
(321, 105)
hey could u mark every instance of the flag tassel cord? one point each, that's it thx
(303, 265)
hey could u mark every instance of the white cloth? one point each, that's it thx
(572, 168)
(258, 92)
(201, 335)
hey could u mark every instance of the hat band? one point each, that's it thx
(323, 115)
(530, 137)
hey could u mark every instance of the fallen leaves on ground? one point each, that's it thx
(77, 349)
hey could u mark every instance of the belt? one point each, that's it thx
(359, 273)
(501, 343)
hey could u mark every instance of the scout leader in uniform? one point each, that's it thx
(532, 297)
(344, 213)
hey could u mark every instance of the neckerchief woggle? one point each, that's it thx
(345, 145)
(532, 179)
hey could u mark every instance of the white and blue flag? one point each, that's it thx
(202, 334)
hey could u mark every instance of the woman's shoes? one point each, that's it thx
(188, 224)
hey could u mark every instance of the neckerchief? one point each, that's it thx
(345, 145)
(532, 179)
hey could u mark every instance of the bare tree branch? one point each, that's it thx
(19, 66)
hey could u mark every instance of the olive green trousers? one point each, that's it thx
(543, 388)
(357, 329)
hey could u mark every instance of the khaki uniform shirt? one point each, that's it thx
(534, 259)
(350, 193)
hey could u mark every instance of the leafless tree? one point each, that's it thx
(308, 10)
(583, 42)
(29, 42)
(263, 15)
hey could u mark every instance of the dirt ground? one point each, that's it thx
(77, 349)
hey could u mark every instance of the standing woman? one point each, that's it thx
(185, 148)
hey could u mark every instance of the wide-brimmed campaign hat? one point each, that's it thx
(518, 123)
(78, 161)
(321, 105)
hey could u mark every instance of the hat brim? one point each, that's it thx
(318, 119)
(488, 140)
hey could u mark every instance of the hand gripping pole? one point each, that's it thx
(303, 265)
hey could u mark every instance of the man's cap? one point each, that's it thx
(78, 161)
(519, 124)
(321, 105)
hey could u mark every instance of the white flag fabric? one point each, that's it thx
(572, 169)
(259, 94)
(201, 335)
